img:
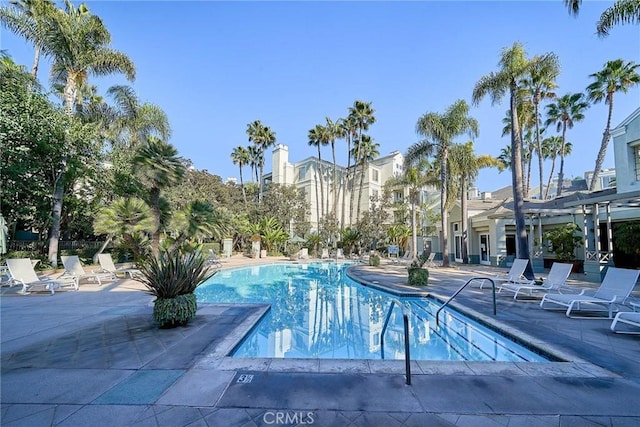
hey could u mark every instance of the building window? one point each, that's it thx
(374, 175)
(511, 244)
(398, 197)
(301, 173)
(637, 157)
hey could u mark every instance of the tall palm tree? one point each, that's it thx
(514, 65)
(362, 115)
(78, 44)
(465, 166)
(159, 167)
(439, 130)
(314, 136)
(240, 156)
(134, 122)
(616, 76)
(621, 12)
(255, 157)
(368, 150)
(262, 137)
(349, 132)
(334, 132)
(564, 113)
(539, 85)
(551, 147)
(27, 18)
(526, 120)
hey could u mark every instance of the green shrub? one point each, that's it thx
(418, 276)
(172, 278)
(374, 260)
(171, 312)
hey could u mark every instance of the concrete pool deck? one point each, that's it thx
(94, 357)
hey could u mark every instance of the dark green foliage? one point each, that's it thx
(418, 276)
(374, 260)
(564, 241)
(173, 274)
(171, 312)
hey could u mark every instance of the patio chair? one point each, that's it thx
(629, 318)
(325, 253)
(22, 272)
(430, 262)
(554, 281)
(107, 266)
(213, 260)
(615, 289)
(304, 253)
(339, 253)
(515, 273)
(73, 268)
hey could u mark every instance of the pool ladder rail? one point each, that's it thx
(493, 288)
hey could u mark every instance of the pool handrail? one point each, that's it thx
(405, 321)
(493, 287)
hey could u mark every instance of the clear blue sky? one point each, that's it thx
(215, 66)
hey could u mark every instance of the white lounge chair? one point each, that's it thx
(22, 272)
(515, 274)
(213, 260)
(339, 253)
(615, 289)
(73, 268)
(107, 266)
(325, 253)
(430, 262)
(554, 281)
(629, 318)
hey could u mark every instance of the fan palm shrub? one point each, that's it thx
(172, 277)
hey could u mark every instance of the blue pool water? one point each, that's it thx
(319, 312)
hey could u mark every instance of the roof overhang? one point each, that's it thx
(629, 199)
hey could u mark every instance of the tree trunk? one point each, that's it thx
(315, 177)
(360, 187)
(244, 193)
(516, 182)
(562, 150)
(36, 62)
(154, 199)
(102, 248)
(414, 228)
(553, 167)
(539, 148)
(335, 181)
(444, 214)
(465, 220)
(345, 181)
(261, 181)
(321, 182)
(603, 147)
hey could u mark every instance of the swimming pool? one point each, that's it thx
(319, 312)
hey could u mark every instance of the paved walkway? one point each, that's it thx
(94, 357)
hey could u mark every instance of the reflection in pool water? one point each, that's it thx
(318, 312)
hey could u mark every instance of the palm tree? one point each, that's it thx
(255, 158)
(514, 66)
(262, 137)
(126, 217)
(27, 18)
(240, 156)
(362, 116)
(314, 141)
(566, 111)
(539, 85)
(621, 12)
(616, 76)
(159, 167)
(439, 130)
(551, 147)
(349, 132)
(334, 131)
(465, 166)
(368, 150)
(77, 42)
(198, 220)
(526, 118)
(134, 122)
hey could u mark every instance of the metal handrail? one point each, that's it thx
(405, 321)
(493, 287)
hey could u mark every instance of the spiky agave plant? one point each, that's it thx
(172, 278)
